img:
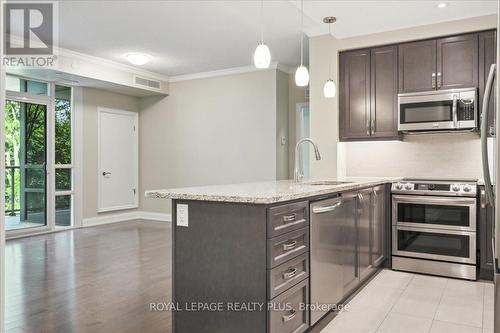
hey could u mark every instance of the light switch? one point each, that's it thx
(182, 215)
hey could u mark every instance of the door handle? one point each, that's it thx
(324, 209)
(433, 80)
(106, 173)
(439, 80)
(490, 196)
(455, 112)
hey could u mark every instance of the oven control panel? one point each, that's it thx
(468, 189)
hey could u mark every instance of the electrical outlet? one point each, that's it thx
(182, 215)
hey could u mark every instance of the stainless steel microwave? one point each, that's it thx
(454, 109)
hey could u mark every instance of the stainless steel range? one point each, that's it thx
(434, 227)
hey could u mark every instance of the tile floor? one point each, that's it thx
(412, 303)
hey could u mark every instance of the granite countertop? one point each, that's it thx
(267, 192)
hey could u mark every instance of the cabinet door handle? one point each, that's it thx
(289, 218)
(368, 126)
(289, 246)
(433, 80)
(290, 316)
(373, 127)
(290, 273)
(106, 173)
(439, 80)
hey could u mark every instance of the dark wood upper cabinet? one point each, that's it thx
(384, 90)
(417, 65)
(487, 57)
(354, 96)
(457, 62)
(370, 79)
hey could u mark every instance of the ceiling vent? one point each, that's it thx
(147, 83)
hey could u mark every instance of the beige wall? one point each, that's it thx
(347, 158)
(209, 131)
(282, 131)
(296, 95)
(91, 99)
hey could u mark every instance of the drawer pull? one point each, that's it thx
(290, 273)
(289, 246)
(289, 218)
(288, 317)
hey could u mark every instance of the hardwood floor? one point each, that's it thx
(99, 279)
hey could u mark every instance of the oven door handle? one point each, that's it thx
(435, 231)
(433, 200)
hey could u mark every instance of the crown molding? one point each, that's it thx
(224, 72)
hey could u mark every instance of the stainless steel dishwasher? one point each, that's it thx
(333, 252)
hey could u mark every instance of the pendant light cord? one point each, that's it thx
(301, 32)
(330, 62)
(262, 21)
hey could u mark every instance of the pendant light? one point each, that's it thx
(262, 55)
(301, 74)
(330, 88)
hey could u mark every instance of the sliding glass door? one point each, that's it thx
(38, 156)
(26, 163)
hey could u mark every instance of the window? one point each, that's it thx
(63, 156)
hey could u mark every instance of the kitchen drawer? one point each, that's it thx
(285, 218)
(288, 313)
(286, 275)
(285, 247)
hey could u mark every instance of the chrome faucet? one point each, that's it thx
(298, 175)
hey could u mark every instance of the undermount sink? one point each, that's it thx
(326, 183)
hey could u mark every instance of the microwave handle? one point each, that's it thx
(455, 113)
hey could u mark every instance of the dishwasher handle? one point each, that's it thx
(325, 209)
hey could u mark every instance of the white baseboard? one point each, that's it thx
(122, 217)
(163, 217)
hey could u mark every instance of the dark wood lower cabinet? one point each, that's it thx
(246, 268)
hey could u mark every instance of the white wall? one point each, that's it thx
(360, 159)
(215, 130)
(91, 99)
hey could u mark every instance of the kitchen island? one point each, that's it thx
(247, 258)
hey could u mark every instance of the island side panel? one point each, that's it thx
(219, 257)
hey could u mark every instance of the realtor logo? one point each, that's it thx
(30, 32)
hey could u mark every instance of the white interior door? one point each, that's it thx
(118, 159)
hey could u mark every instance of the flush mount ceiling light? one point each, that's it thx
(262, 55)
(302, 73)
(138, 59)
(442, 5)
(330, 89)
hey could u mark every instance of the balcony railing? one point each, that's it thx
(12, 207)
